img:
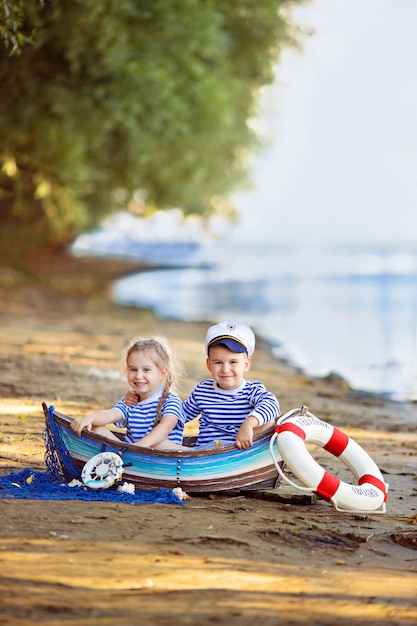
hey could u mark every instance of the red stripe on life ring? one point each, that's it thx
(328, 486)
(337, 442)
(373, 480)
(291, 428)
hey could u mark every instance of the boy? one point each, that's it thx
(232, 409)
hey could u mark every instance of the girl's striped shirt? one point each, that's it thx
(139, 418)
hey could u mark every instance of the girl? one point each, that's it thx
(155, 419)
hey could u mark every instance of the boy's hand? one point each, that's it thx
(244, 437)
(131, 398)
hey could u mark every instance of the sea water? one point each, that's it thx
(347, 309)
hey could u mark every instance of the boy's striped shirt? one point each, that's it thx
(223, 411)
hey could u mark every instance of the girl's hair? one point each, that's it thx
(159, 352)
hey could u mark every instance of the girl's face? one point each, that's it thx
(143, 376)
(226, 367)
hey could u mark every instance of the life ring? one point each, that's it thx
(102, 470)
(298, 427)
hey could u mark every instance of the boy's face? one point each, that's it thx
(226, 367)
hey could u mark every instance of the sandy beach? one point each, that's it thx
(220, 559)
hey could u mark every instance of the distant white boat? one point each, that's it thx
(164, 239)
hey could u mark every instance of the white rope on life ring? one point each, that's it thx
(102, 470)
(298, 427)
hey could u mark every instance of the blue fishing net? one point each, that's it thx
(35, 485)
(58, 461)
(60, 470)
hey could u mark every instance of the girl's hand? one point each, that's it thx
(78, 425)
(131, 398)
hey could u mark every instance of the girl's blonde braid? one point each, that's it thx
(164, 396)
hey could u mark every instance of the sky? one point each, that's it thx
(340, 124)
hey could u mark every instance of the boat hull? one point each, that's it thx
(195, 471)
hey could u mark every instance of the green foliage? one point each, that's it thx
(130, 94)
(12, 17)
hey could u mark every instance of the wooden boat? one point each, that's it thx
(195, 471)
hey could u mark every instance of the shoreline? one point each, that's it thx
(69, 281)
(372, 380)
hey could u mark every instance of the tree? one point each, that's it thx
(130, 94)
